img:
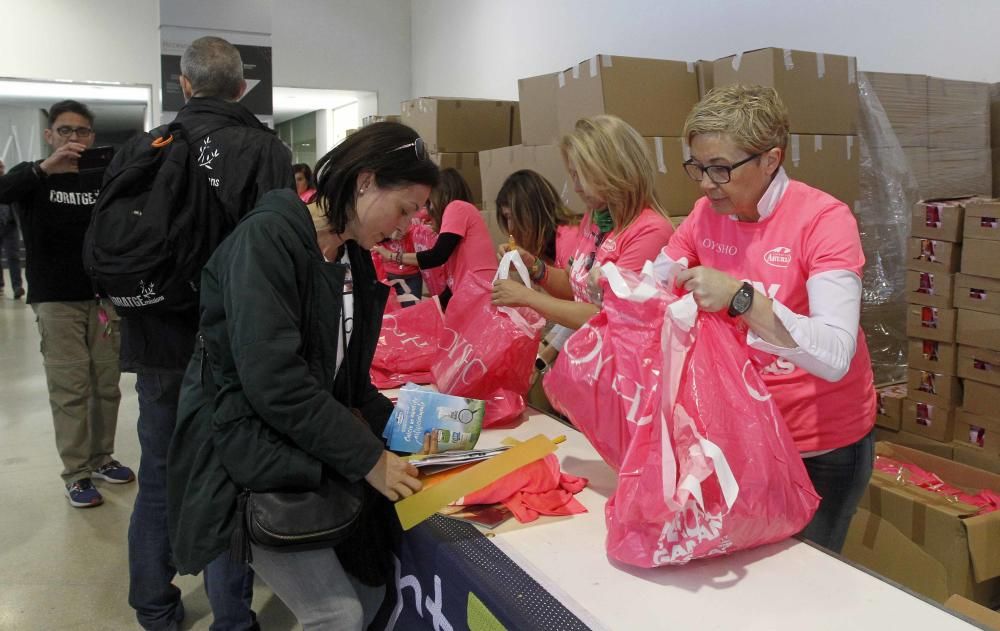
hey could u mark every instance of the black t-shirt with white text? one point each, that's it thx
(54, 212)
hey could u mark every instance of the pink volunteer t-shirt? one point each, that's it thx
(808, 233)
(641, 241)
(475, 254)
(566, 240)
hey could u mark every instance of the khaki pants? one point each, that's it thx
(81, 367)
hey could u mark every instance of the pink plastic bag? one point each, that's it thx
(488, 352)
(706, 463)
(424, 238)
(407, 344)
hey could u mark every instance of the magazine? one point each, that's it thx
(456, 421)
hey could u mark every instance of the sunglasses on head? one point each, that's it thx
(419, 148)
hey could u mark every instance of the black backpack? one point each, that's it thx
(155, 225)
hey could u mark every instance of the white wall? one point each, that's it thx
(479, 48)
(80, 40)
(344, 44)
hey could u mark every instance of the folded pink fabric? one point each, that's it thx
(539, 488)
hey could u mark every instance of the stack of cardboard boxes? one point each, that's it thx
(821, 94)
(456, 130)
(977, 332)
(943, 127)
(652, 95)
(933, 389)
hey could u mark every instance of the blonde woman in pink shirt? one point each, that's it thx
(624, 223)
(785, 260)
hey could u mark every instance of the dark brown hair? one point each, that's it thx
(536, 211)
(451, 187)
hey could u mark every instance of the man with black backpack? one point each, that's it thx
(241, 159)
(79, 334)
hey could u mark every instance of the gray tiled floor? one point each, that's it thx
(62, 567)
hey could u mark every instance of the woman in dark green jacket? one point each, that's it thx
(290, 317)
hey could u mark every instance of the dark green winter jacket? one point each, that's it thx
(270, 318)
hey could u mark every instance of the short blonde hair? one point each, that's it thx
(612, 162)
(753, 116)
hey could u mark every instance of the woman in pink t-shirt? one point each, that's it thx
(786, 260)
(530, 211)
(624, 224)
(463, 246)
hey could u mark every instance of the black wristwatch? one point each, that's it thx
(742, 301)
(540, 364)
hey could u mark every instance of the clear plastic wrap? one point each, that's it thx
(888, 192)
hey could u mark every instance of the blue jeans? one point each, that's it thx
(840, 478)
(156, 600)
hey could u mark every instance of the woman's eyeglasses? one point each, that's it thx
(718, 173)
(419, 148)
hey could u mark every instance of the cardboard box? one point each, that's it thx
(676, 221)
(468, 165)
(515, 125)
(609, 84)
(975, 457)
(930, 323)
(939, 357)
(982, 220)
(977, 293)
(988, 618)
(956, 172)
(497, 164)
(829, 163)
(889, 405)
(994, 115)
(915, 441)
(958, 114)
(976, 430)
(904, 99)
(930, 288)
(452, 125)
(706, 77)
(940, 219)
(675, 191)
(931, 255)
(982, 399)
(537, 112)
(975, 328)
(938, 389)
(923, 540)
(995, 163)
(981, 257)
(918, 163)
(979, 364)
(375, 118)
(820, 90)
(936, 422)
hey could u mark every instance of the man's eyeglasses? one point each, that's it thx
(718, 173)
(418, 147)
(81, 132)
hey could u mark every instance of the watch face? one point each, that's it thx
(741, 301)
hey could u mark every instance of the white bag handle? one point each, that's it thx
(642, 292)
(513, 257)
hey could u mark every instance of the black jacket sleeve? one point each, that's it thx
(262, 304)
(19, 183)
(440, 253)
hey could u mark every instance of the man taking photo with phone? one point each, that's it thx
(80, 337)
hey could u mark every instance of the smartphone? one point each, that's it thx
(95, 160)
